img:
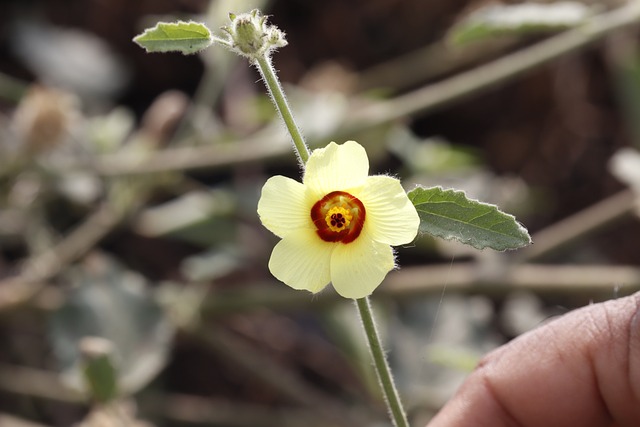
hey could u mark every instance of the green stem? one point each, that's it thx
(277, 95)
(391, 395)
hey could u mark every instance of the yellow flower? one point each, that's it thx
(338, 225)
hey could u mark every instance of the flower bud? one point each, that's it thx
(250, 36)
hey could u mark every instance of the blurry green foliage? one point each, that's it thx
(518, 19)
(109, 302)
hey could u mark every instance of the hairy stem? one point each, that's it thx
(390, 392)
(277, 95)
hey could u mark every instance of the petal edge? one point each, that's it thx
(302, 261)
(391, 217)
(358, 268)
(283, 207)
(336, 167)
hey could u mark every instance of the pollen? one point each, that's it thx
(338, 218)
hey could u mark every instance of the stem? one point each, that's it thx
(277, 95)
(391, 396)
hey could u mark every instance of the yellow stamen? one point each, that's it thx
(338, 218)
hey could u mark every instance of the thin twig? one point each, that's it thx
(7, 420)
(267, 144)
(193, 410)
(261, 367)
(579, 226)
(46, 385)
(595, 280)
(541, 279)
(36, 383)
(427, 63)
(37, 269)
(504, 69)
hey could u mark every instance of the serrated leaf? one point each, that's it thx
(517, 19)
(450, 214)
(185, 37)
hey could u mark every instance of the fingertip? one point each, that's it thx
(581, 369)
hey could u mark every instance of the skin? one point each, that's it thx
(582, 369)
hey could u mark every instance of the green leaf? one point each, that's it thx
(106, 300)
(184, 37)
(205, 218)
(450, 214)
(99, 371)
(517, 19)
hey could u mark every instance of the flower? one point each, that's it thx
(338, 225)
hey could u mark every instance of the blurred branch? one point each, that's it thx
(36, 383)
(504, 69)
(200, 411)
(177, 408)
(479, 277)
(261, 367)
(500, 279)
(37, 269)
(11, 421)
(495, 276)
(427, 63)
(473, 277)
(428, 98)
(579, 226)
(263, 145)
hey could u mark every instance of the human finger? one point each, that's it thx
(582, 369)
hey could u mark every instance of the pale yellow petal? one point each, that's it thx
(282, 206)
(391, 217)
(359, 267)
(336, 167)
(301, 260)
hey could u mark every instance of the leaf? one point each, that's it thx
(184, 37)
(433, 155)
(517, 19)
(99, 370)
(107, 301)
(205, 218)
(450, 214)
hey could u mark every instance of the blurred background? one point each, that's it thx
(134, 287)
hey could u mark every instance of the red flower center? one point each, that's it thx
(338, 217)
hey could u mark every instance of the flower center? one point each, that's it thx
(338, 217)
